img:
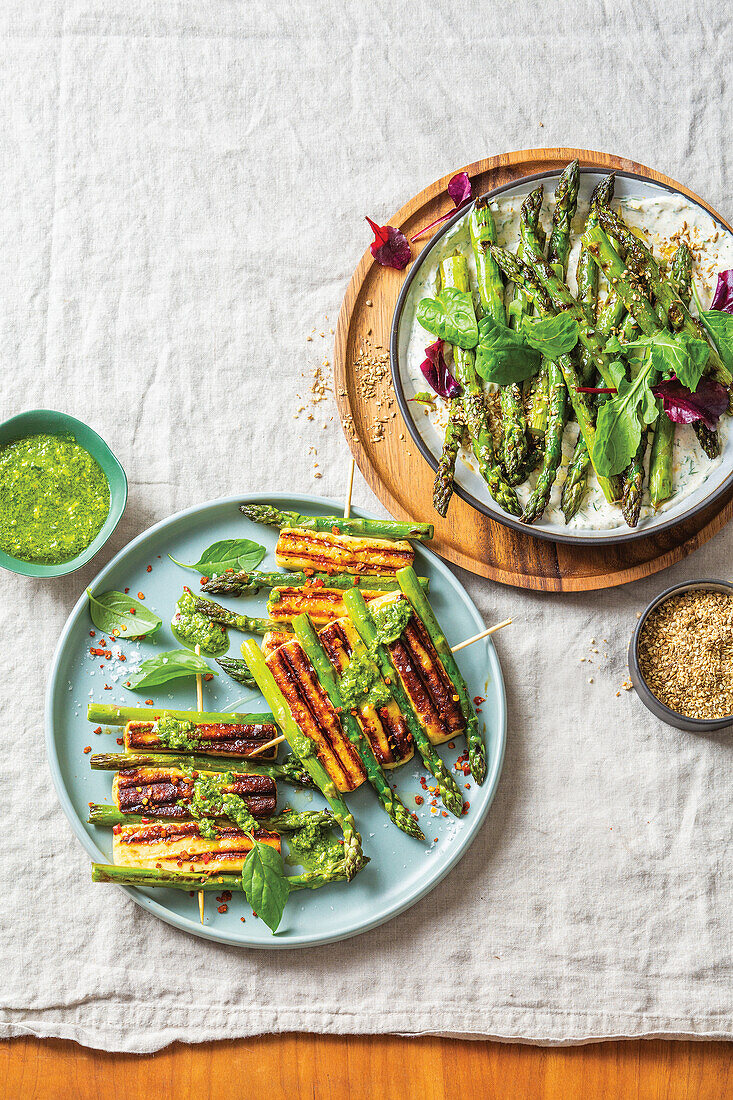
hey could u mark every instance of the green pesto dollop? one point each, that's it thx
(191, 628)
(391, 619)
(314, 848)
(362, 684)
(209, 800)
(54, 498)
(177, 734)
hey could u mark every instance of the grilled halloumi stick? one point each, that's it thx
(219, 739)
(320, 603)
(327, 552)
(179, 846)
(423, 676)
(159, 792)
(273, 640)
(315, 715)
(384, 726)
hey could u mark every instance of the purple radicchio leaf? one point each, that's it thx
(390, 246)
(459, 189)
(435, 370)
(707, 403)
(723, 297)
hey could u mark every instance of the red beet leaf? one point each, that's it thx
(723, 297)
(707, 403)
(459, 189)
(435, 370)
(390, 246)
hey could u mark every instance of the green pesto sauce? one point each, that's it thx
(391, 620)
(362, 684)
(54, 498)
(177, 734)
(314, 848)
(191, 628)
(209, 800)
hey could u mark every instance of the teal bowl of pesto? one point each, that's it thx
(55, 473)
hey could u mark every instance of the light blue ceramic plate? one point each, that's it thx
(401, 871)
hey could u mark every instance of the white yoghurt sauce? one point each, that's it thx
(661, 218)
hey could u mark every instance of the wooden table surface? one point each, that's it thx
(352, 1068)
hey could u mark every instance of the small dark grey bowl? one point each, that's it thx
(671, 717)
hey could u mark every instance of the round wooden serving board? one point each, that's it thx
(395, 469)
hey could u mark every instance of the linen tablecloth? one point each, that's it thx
(181, 203)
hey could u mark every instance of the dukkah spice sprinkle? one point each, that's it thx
(686, 654)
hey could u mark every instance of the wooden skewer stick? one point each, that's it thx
(268, 745)
(199, 708)
(478, 637)
(347, 505)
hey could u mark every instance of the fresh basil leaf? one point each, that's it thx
(237, 554)
(168, 666)
(114, 612)
(265, 883)
(619, 422)
(552, 336)
(451, 316)
(720, 327)
(503, 356)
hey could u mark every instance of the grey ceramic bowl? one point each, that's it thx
(671, 717)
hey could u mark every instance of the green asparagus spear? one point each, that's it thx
(681, 276)
(560, 296)
(237, 669)
(566, 196)
(423, 610)
(491, 294)
(245, 623)
(244, 584)
(105, 714)
(708, 439)
(552, 456)
(660, 466)
(518, 272)
(633, 484)
(329, 681)
(288, 821)
(364, 623)
(641, 261)
(566, 203)
(377, 528)
(145, 879)
(454, 273)
(586, 277)
(290, 771)
(444, 475)
(302, 746)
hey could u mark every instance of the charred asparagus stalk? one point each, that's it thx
(243, 583)
(289, 821)
(113, 715)
(145, 879)
(377, 647)
(290, 771)
(380, 528)
(491, 294)
(681, 277)
(390, 801)
(446, 471)
(302, 746)
(248, 625)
